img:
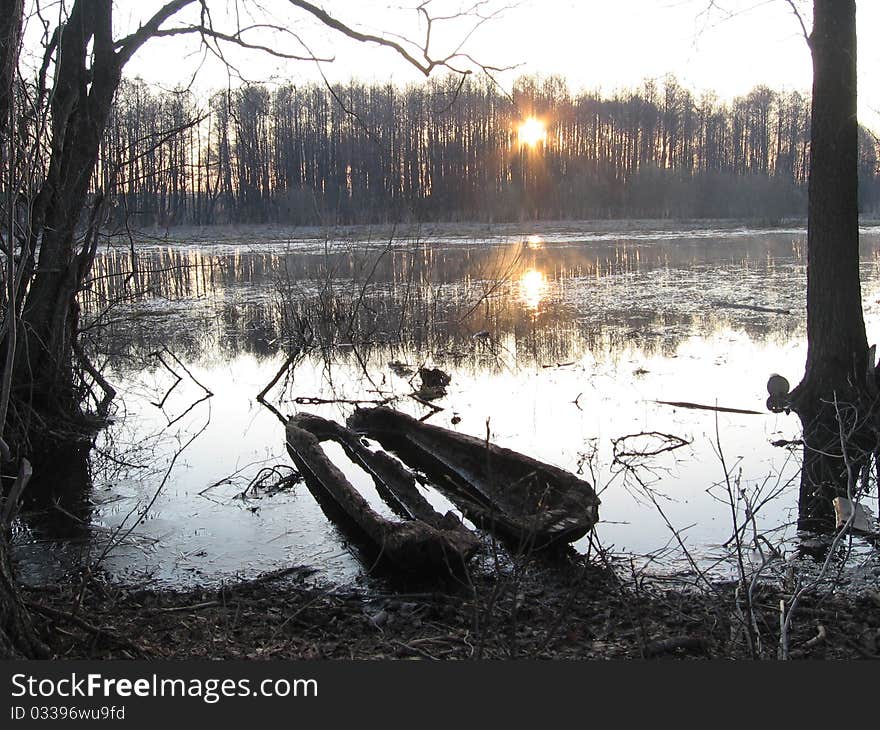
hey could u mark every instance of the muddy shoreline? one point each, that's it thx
(576, 610)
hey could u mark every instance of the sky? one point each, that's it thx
(595, 44)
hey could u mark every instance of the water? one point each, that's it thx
(588, 328)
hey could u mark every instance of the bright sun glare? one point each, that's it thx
(533, 287)
(532, 131)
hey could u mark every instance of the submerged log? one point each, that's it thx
(393, 482)
(439, 544)
(518, 497)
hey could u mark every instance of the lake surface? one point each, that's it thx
(560, 340)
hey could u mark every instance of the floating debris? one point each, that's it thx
(845, 510)
(701, 407)
(750, 307)
(434, 382)
(400, 369)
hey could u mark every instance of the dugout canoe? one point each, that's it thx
(518, 497)
(421, 539)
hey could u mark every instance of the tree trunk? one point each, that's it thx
(81, 103)
(17, 636)
(836, 392)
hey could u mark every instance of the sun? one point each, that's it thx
(532, 132)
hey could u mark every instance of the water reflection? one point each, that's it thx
(582, 297)
(533, 288)
(588, 331)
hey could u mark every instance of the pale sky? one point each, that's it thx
(594, 44)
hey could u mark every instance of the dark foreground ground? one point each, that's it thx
(570, 611)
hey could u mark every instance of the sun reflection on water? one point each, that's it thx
(624, 325)
(533, 288)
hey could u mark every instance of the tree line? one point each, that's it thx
(448, 149)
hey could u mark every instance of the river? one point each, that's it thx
(560, 339)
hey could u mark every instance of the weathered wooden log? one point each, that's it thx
(394, 483)
(520, 498)
(411, 544)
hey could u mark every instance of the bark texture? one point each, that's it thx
(837, 393)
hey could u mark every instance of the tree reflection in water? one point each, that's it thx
(577, 335)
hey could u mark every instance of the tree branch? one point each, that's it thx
(800, 19)
(129, 45)
(425, 66)
(238, 40)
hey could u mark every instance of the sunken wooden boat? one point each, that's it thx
(520, 498)
(421, 540)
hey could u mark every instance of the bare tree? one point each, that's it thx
(443, 150)
(838, 368)
(53, 217)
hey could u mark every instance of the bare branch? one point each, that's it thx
(346, 30)
(427, 63)
(800, 19)
(237, 39)
(129, 45)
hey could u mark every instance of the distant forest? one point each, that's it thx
(448, 150)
